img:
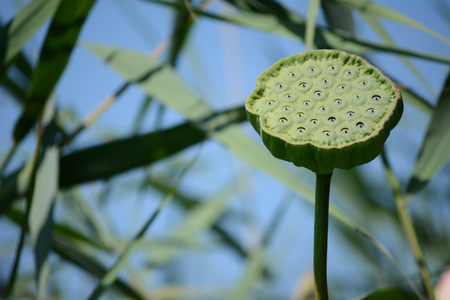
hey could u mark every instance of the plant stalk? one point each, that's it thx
(323, 182)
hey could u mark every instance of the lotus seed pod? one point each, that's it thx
(324, 109)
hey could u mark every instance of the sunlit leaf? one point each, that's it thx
(434, 152)
(58, 45)
(375, 9)
(45, 188)
(24, 25)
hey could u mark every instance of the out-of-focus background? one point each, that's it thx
(149, 110)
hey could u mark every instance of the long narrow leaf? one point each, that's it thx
(24, 25)
(45, 188)
(375, 9)
(434, 152)
(58, 45)
(293, 26)
(310, 30)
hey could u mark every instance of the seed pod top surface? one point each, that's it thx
(324, 109)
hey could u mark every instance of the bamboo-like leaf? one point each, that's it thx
(417, 101)
(111, 276)
(434, 152)
(24, 25)
(203, 216)
(388, 40)
(253, 270)
(338, 17)
(310, 30)
(293, 26)
(45, 188)
(69, 250)
(375, 9)
(58, 45)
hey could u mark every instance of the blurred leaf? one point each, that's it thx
(202, 217)
(338, 17)
(45, 188)
(253, 270)
(310, 30)
(375, 9)
(434, 152)
(70, 251)
(390, 294)
(293, 25)
(388, 40)
(108, 279)
(58, 45)
(18, 31)
(417, 101)
(109, 159)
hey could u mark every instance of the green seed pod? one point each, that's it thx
(324, 109)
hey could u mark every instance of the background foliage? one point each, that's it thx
(128, 168)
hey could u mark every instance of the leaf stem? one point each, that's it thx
(321, 234)
(405, 219)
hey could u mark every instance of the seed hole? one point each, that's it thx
(270, 102)
(342, 87)
(289, 96)
(350, 114)
(318, 93)
(282, 120)
(325, 81)
(376, 98)
(303, 85)
(348, 73)
(332, 119)
(360, 125)
(326, 133)
(371, 111)
(300, 115)
(363, 83)
(292, 74)
(338, 101)
(301, 129)
(280, 85)
(287, 108)
(331, 68)
(322, 108)
(357, 97)
(345, 130)
(307, 103)
(312, 70)
(314, 121)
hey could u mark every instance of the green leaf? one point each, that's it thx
(388, 40)
(313, 9)
(292, 25)
(378, 10)
(339, 18)
(390, 294)
(252, 271)
(71, 251)
(434, 152)
(24, 25)
(58, 45)
(45, 189)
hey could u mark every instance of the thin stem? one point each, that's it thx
(401, 204)
(321, 234)
(8, 158)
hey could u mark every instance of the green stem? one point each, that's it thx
(321, 234)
